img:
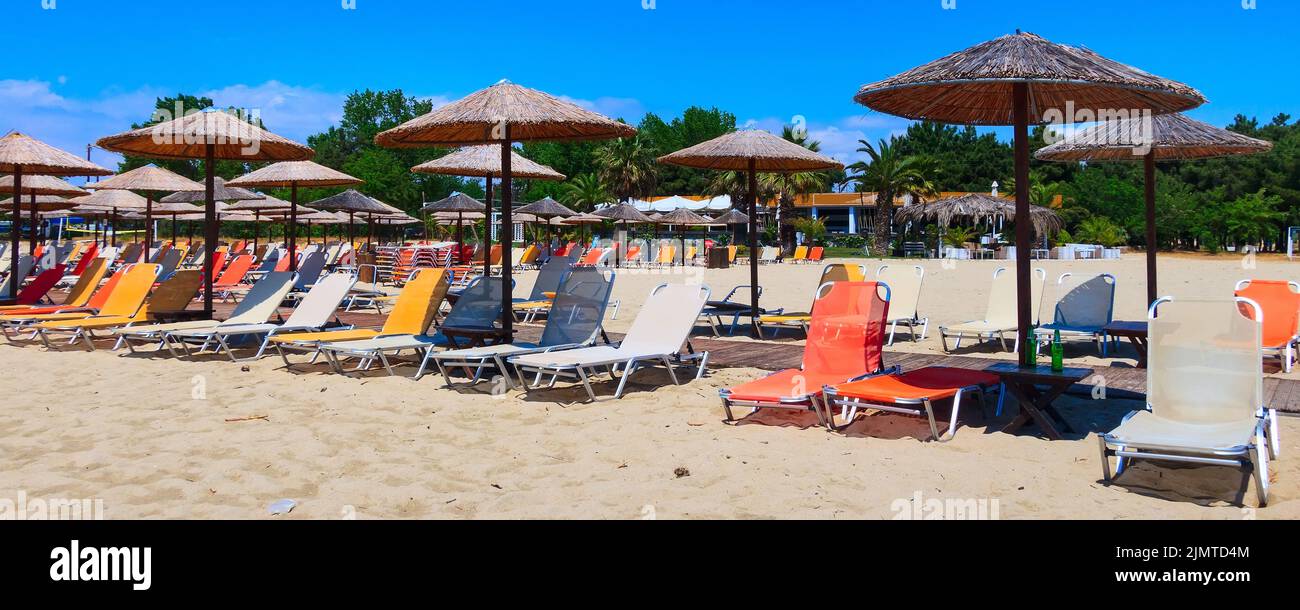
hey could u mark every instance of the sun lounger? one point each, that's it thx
(548, 282)
(574, 320)
(836, 272)
(40, 286)
(905, 287)
(77, 297)
(800, 255)
(21, 321)
(413, 312)
(1000, 317)
(845, 337)
(312, 314)
(170, 296)
(1083, 311)
(912, 393)
(1204, 391)
(25, 264)
(261, 303)
(661, 329)
(1279, 301)
(477, 309)
(125, 301)
(714, 311)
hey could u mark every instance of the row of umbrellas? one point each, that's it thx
(1011, 80)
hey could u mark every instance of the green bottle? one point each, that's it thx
(1030, 355)
(1058, 353)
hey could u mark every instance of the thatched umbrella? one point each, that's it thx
(732, 218)
(173, 210)
(751, 151)
(208, 135)
(220, 192)
(1011, 81)
(547, 209)
(22, 155)
(625, 213)
(293, 174)
(504, 113)
(320, 218)
(484, 161)
(584, 219)
(150, 180)
(460, 204)
(353, 203)
(979, 205)
(113, 201)
(683, 218)
(1171, 137)
(40, 185)
(263, 205)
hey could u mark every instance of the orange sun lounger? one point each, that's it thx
(845, 342)
(911, 393)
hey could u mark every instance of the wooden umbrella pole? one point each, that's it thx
(1149, 161)
(1024, 314)
(113, 224)
(14, 240)
(460, 238)
(173, 230)
(507, 240)
(487, 233)
(35, 220)
(752, 195)
(351, 226)
(293, 226)
(148, 227)
(257, 220)
(210, 229)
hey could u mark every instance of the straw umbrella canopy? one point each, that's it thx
(41, 185)
(208, 135)
(173, 210)
(38, 203)
(353, 202)
(751, 151)
(732, 218)
(150, 180)
(583, 219)
(547, 209)
(1015, 80)
(22, 155)
(1169, 137)
(683, 218)
(502, 114)
(262, 206)
(979, 205)
(293, 174)
(220, 192)
(460, 204)
(625, 213)
(114, 202)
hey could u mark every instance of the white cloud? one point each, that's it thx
(626, 108)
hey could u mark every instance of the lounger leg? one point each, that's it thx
(925, 329)
(1105, 459)
(1259, 462)
(726, 407)
(627, 373)
(86, 337)
(44, 339)
(943, 341)
(892, 328)
(387, 366)
(586, 384)
(1274, 443)
(442, 370)
(283, 356)
(1002, 399)
(424, 365)
(704, 364)
(671, 373)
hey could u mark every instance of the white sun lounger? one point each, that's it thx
(313, 313)
(905, 289)
(257, 307)
(1205, 391)
(661, 329)
(1001, 316)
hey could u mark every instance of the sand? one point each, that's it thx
(154, 437)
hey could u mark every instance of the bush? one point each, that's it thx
(1102, 231)
(846, 240)
(813, 229)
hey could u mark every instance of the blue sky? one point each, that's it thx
(88, 68)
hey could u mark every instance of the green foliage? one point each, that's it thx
(964, 160)
(1102, 231)
(891, 173)
(813, 229)
(956, 236)
(846, 240)
(584, 193)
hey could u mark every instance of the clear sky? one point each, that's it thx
(82, 69)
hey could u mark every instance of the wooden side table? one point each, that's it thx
(1036, 388)
(1136, 333)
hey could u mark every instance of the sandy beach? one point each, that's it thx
(156, 437)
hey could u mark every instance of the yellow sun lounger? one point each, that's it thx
(412, 314)
(836, 272)
(126, 301)
(77, 297)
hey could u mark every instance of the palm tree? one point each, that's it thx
(628, 167)
(585, 192)
(890, 174)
